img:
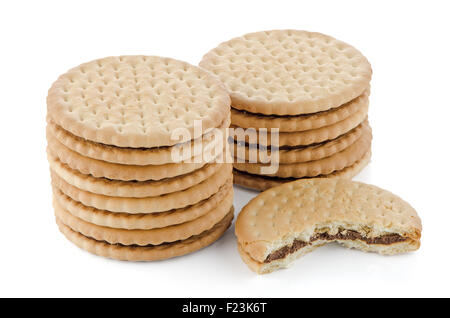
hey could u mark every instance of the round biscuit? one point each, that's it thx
(136, 101)
(288, 72)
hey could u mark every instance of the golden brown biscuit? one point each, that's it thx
(157, 236)
(288, 72)
(170, 201)
(115, 171)
(149, 252)
(338, 161)
(287, 221)
(303, 138)
(118, 188)
(299, 122)
(144, 221)
(136, 101)
(262, 183)
(286, 155)
(134, 156)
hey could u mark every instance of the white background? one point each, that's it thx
(407, 43)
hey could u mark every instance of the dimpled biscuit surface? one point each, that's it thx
(136, 101)
(298, 208)
(288, 72)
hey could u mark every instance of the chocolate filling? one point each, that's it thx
(269, 178)
(291, 116)
(242, 143)
(347, 235)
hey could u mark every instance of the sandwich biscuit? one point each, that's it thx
(338, 161)
(161, 203)
(288, 72)
(144, 221)
(136, 101)
(302, 122)
(148, 252)
(262, 183)
(286, 155)
(290, 220)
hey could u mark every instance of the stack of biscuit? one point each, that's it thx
(130, 176)
(308, 91)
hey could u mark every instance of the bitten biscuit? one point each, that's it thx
(290, 220)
